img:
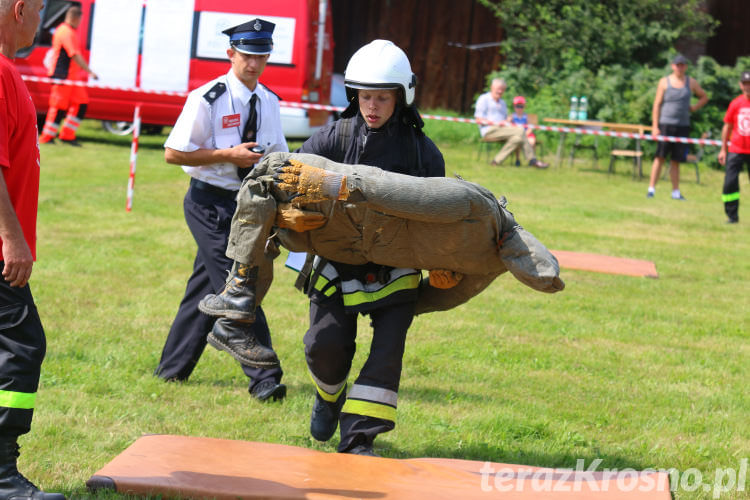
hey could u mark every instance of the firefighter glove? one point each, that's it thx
(442, 278)
(310, 184)
(296, 219)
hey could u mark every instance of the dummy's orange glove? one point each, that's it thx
(289, 217)
(442, 278)
(312, 184)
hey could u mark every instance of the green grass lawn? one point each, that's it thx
(641, 373)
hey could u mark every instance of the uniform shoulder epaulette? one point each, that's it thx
(214, 92)
(271, 91)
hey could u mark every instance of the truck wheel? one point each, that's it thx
(152, 129)
(118, 128)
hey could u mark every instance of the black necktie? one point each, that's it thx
(249, 133)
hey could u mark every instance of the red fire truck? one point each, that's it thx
(152, 52)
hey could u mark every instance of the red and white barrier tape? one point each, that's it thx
(133, 157)
(94, 85)
(325, 107)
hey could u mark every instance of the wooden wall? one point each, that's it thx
(448, 76)
(731, 39)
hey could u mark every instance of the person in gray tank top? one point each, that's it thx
(671, 117)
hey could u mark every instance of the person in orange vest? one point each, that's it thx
(66, 63)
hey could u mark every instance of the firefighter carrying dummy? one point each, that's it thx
(370, 228)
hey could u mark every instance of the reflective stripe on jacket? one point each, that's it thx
(360, 296)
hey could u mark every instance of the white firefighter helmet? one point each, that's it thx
(380, 65)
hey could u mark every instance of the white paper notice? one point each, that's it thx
(114, 41)
(213, 44)
(167, 36)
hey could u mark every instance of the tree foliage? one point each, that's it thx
(554, 35)
(614, 52)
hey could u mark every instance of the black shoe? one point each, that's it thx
(236, 338)
(17, 487)
(325, 417)
(13, 485)
(362, 449)
(71, 142)
(733, 221)
(269, 389)
(237, 300)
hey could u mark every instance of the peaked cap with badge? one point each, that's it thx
(253, 37)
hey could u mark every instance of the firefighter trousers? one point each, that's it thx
(730, 194)
(330, 344)
(22, 349)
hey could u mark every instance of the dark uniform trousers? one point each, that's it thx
(330, 344)
(22, 349)
(731, 190)
(208, 215)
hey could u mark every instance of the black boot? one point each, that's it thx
(237, 300)
(236, 338)
(325, 417)
(13, 486)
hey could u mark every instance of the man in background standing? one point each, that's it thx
(671, 117)
(66, 63)
(735, 136)
(22, 340)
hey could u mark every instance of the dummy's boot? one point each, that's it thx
(13, 486)
(526, 257)
(236, 338)
(237, 300)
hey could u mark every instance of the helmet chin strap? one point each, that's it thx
(351, 110)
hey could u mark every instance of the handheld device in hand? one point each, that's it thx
(258, 149)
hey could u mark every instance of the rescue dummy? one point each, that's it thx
(370, 215)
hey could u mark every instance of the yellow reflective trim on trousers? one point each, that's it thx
(726, 198)
(369, 409)
(20, 400)
(331, 398)
(407, 282)
(325, 281)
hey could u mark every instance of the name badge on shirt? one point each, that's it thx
(230, 121)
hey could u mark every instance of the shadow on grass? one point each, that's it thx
(432, 395)
(515, 455)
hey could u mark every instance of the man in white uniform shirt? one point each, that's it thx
(492, 110)
(225, 128)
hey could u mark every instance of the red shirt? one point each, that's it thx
(19, 149)
(738, 114)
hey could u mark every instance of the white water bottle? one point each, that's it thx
(583, 108)
(573, 114)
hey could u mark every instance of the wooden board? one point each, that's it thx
(605, 264)
(224, 469)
